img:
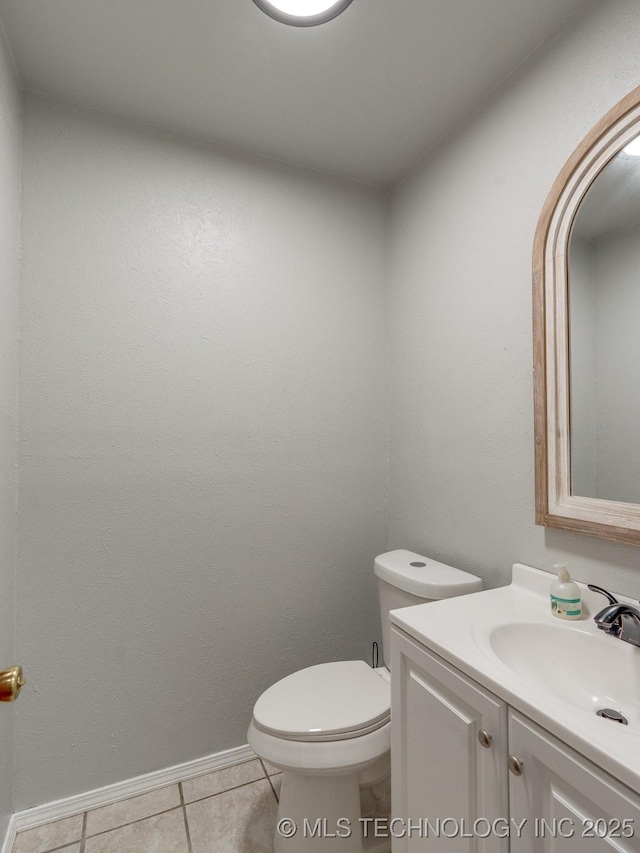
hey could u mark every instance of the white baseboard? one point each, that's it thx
(10, 837)
(79, 803)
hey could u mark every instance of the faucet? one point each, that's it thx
(618, 620)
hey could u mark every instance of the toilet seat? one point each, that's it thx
(327, 702)
(329, 757)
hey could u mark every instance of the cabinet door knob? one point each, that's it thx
(515, 766)
(485, 739)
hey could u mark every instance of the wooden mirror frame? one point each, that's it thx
(555, 505)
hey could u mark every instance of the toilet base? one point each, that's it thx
(326, 812)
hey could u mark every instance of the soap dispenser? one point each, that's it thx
(566, 602)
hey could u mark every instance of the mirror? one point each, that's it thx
(587, 335)
(604, 333)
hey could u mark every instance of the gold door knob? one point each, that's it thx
(11, 682)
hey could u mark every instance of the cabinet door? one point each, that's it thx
(440, 771)
(567, 802)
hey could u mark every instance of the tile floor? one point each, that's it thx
(229, 811)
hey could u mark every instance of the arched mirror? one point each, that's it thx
(586, 283)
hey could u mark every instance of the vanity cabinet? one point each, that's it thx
(440, 768)
(569, 804)
(474, 767)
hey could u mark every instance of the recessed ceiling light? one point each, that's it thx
(302, 13)
(633, 147)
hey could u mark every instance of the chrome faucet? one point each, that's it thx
(618, 620)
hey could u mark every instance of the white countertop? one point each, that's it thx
(459, 630)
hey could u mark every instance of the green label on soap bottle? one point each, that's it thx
(567, 606)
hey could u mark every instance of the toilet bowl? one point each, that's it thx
(328, 727)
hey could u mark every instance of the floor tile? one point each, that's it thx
(221, 780)
(238, 821)
(164, 833)
(49, 836)
(70, 848)
(272, 770)
(135, 808)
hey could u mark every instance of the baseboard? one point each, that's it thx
(10, 837)
(122, 790)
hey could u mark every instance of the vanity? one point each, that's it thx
(497, 744)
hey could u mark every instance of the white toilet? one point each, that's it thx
(328, 726)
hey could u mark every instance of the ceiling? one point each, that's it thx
(363, 96)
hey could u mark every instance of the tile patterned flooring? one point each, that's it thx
(228, 811)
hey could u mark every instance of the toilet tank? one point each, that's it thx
(405, 578)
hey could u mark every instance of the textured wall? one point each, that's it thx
(203, 441)
(462, 226)
(10, 130)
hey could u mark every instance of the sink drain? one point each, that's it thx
(610, 714)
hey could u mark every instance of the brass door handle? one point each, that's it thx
(11, 683)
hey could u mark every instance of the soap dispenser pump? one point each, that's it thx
(566, 601)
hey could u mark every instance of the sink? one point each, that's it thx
(556, 673)
(580, 668)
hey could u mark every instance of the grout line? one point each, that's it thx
(269, 772)
(269, 780)
(226, 791)
(83, 840)
(65, 846)
(273, 789)
(132, 822)
(184, 815)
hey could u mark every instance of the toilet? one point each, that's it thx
(328, 727)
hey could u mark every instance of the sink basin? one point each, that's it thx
(556, 673)
(585, 670)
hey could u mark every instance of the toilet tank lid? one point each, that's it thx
(429, 579)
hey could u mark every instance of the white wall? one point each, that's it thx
(203, 483)
(462, 226)
(10, 132)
